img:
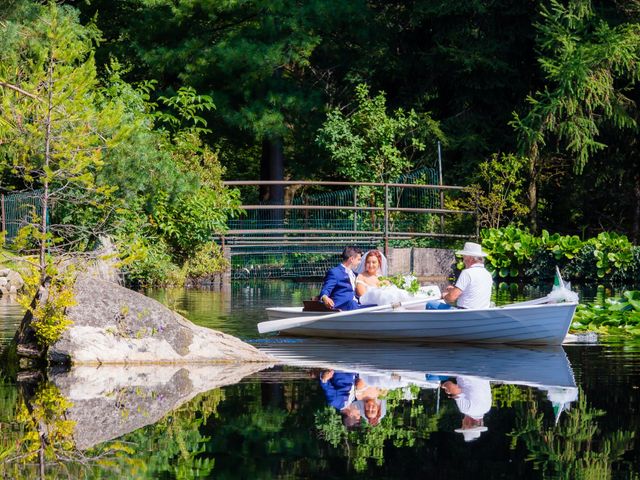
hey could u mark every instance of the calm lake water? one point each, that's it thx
(564, 412)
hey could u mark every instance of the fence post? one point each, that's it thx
(355, 204)
(386, 219)
(4, 220)
(441, 191)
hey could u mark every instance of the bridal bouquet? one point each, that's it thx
(406, 282)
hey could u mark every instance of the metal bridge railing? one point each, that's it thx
(358, 212)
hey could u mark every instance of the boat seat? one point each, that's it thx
(315, 305)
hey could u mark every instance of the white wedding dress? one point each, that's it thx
(392, 294)
(384, 295)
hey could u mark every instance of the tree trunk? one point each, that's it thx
(533, 190)
(265, 172)
(272, 168)
(45, 185)
(635, 230)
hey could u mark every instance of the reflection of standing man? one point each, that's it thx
(473, 397)
(338, 288)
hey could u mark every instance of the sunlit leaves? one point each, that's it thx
(584, 60)
(374, 145)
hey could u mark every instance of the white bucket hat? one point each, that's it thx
(471, 434)
(472, 250)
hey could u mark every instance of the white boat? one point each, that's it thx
(524, 323)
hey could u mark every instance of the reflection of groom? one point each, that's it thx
(338, 288)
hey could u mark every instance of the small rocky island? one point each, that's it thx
(113, 325)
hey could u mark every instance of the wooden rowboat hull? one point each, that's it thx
(546, 324)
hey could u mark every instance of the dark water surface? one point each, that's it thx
(564, 412)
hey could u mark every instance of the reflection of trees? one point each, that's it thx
(40, 437)
(37, 440)
(507, 394)
(405, 422)
(573, 449)
(172, 447)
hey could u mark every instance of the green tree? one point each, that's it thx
(371, 145)
(585, 61)
(251, 57)
(174, 211)
(53, 130)
(498, 194)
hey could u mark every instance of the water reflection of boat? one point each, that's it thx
(534, 366)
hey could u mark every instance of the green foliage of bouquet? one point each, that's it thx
(406, 282)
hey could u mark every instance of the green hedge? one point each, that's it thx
(516, 253)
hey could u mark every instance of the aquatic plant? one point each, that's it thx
(612, 316)
(515, 252)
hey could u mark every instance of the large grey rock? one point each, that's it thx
(15, 280)
(115, 325)
(111, 401)
(10, 282)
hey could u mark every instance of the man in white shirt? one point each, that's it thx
(473, 287)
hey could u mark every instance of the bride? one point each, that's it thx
(370, 289)
(369, 271)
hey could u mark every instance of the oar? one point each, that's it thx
(285, 323)
(536, 301)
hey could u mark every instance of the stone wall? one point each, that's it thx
(430, 264)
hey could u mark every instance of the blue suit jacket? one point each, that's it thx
(337, 388)
(337, 287)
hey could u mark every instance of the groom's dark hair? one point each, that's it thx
(349, 252)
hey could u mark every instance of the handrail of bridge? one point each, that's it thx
(271, 235)
(239, 183)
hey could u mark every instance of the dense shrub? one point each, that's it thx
(152, 265)
(206, 261)
(514, 252)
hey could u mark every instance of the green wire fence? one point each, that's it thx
(18, 210)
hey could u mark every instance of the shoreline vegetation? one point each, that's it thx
(112, 133)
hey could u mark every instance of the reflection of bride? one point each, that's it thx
(368, 285)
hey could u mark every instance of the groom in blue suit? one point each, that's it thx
(338, 288)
